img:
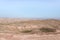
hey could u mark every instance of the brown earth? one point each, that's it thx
(28, 29)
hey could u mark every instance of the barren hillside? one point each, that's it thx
(25, 29)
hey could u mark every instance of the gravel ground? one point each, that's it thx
(7, 36)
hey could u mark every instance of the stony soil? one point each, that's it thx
(13, 29)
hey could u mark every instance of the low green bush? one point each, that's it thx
(47, 30)
(26, 31)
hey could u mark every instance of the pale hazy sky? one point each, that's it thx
(30, 8)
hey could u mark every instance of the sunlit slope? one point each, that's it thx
(31, 26)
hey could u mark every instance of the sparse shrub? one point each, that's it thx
(26, 31)
(47, 30)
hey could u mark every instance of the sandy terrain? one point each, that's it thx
(28, 37)
(20, 29)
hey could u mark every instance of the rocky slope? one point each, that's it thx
(17, 29)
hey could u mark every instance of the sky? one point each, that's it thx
(30, 8)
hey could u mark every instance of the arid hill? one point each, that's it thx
(28, 29)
